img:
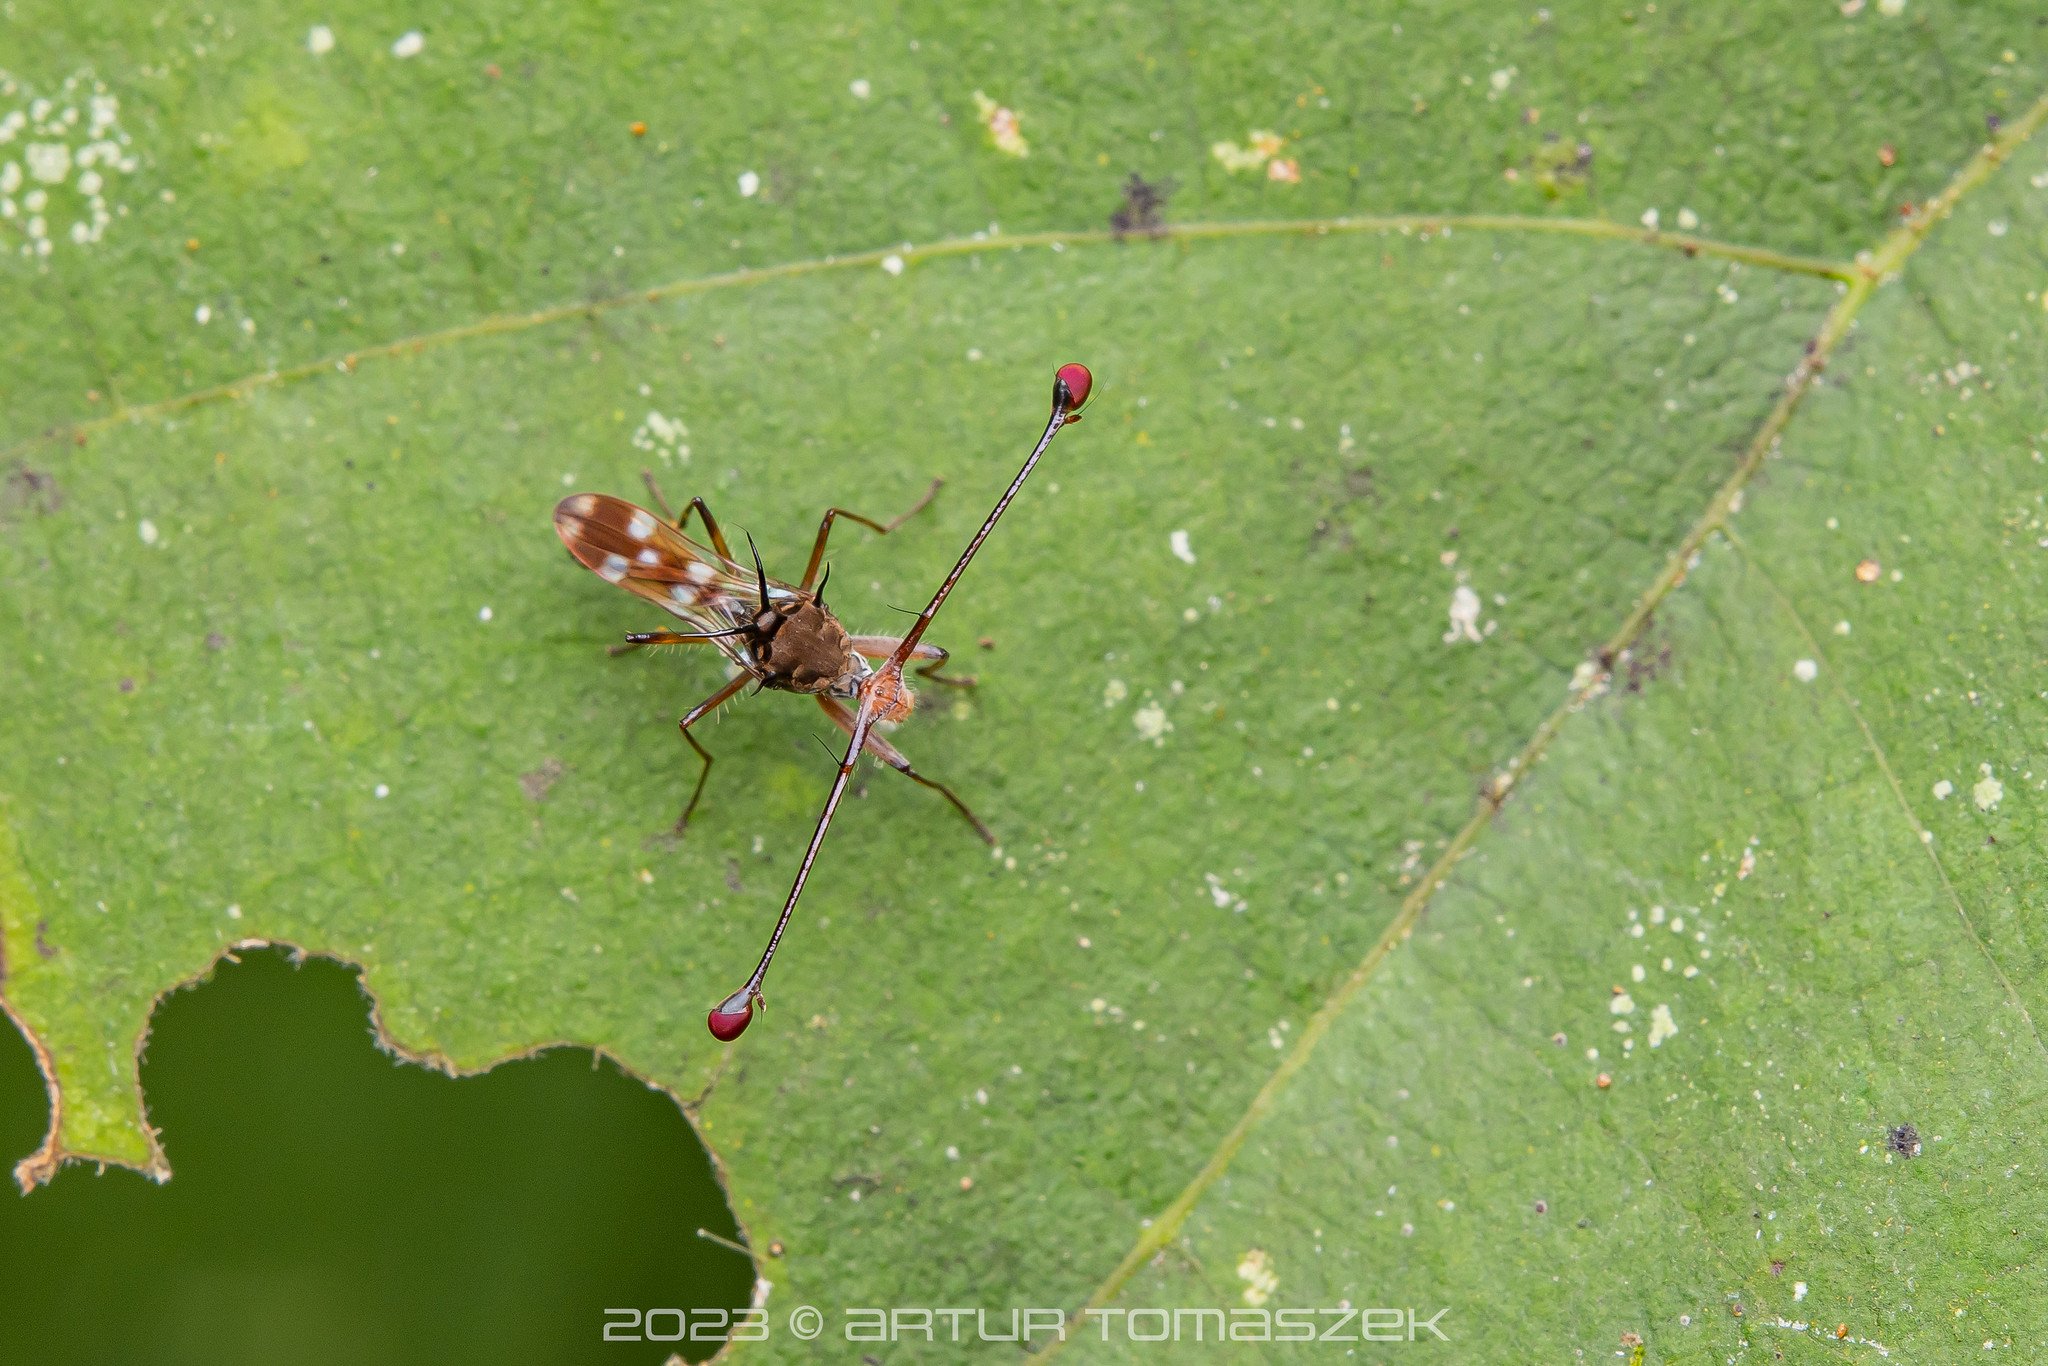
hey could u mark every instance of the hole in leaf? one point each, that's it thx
(333, 1205)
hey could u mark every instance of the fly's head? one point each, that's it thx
(894, 700)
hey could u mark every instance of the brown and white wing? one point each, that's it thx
(644, 555)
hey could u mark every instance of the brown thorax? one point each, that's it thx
(797, 645)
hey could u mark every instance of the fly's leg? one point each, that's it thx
(881, 647)
(695, 714)
(832, 514)
(641, 638)
(697, 505)
(893, 757)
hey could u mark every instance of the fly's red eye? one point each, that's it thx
(1078, 381)
(731, 1018)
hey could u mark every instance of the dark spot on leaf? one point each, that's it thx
(127, 685)
(1646, 666)
(1141, 211)
(27, 490)
(215, 641)
(1559, 168)
(536, 784)
(732, 875)
(43, 946)
(1904, 1140)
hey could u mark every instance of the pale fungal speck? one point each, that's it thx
(861, 89)
(750, 184)
(893, 264)
(1798, 1291)
(1114, 691)
(1806, 671)
(202, 315)
(320, 40)
(1255, 1269)
(382, 791)
(409, 44)
(235, 912)
(146, 529)
(1151, 722)
(1182, 551)
(1987, 793)
(1662, 1026)
(1465, 609)
(1943, 789)
(483, 614)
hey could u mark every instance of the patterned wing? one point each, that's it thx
(644, 555)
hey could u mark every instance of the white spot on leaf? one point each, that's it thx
(1465, 609)
(1005, 126)
(1662, 1026)
(1255, 1269)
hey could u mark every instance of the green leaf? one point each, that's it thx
(256, 695)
